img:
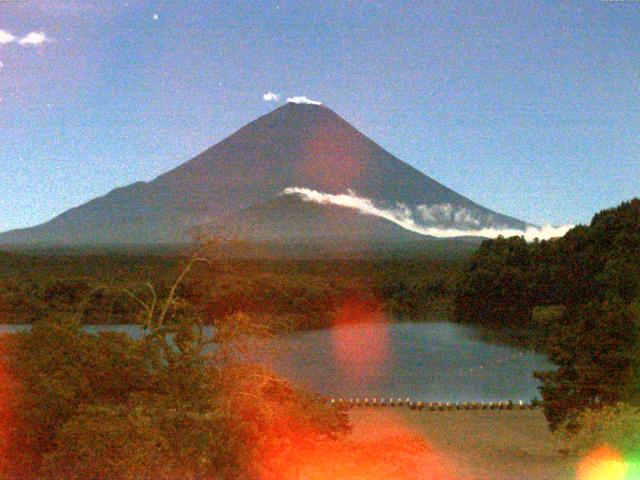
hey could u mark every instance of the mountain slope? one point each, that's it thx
(288, 218)
(295, 145)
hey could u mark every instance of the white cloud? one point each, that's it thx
(436, 213)
(403, 216)
(33, 38)
(271, 97)
(303, 99)
(6, 37)
(465, 217)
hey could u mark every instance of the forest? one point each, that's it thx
(298, 293)
(577, 298)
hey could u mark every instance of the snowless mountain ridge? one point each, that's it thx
(238, 188)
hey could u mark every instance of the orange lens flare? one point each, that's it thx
(360, 340)
(602, 463)
(385, 451)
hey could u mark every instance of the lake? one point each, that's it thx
(433, 362)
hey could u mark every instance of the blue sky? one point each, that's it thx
(529, 108)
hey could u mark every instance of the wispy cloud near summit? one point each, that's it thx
(303, 99)
(271, 97)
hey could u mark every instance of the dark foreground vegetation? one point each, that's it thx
(585, 291)
(80, 406)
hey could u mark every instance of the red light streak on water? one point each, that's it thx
(385, 447)
(360, 340)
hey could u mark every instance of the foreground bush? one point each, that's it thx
(617, 426)
(74, 405)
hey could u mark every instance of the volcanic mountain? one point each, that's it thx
(237, 188)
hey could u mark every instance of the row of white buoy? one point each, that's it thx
(433, 406)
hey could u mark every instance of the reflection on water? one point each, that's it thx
(439, 362)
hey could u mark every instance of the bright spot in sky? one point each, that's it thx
(155, 16)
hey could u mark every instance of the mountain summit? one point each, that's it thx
(240, 182)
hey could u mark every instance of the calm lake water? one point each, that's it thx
(438, 362)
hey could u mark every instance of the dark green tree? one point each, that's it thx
(593, 274)
(596, 351)
(493, 289)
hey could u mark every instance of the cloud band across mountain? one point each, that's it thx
(463, 220)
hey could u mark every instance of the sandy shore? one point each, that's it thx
(475, 445)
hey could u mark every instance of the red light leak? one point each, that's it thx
(390, 451)
(385, 448)
(6, 417)
(328, 158)
(360, 340)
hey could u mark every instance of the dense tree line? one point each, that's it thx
(302, 293)
(593, 274)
